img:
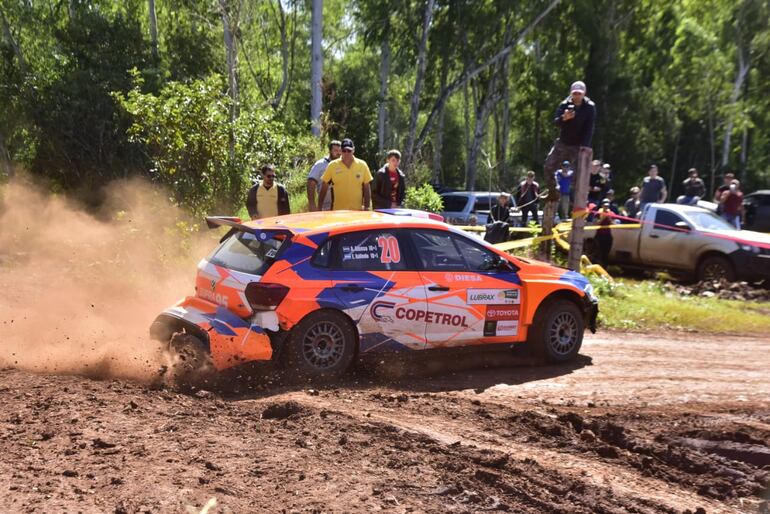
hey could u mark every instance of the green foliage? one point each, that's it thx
(423, 198)
(205, 160)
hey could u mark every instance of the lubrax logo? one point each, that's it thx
(490, 296)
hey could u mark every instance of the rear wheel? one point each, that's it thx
(556, 333)
(716, 267)
(191, 368)
(321, 346)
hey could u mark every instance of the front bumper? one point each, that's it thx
(590, 312)
(750, 265)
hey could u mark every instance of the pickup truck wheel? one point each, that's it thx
(321, 346)
(716, 267)
(556, 333)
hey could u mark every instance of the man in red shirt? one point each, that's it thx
(731, 202)
(389, 183)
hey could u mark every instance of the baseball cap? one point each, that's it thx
(578, 85)
(635, 190)
(606, 201)
(347, 143)
(565, 163)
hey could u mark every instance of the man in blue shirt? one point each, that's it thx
(564, 186)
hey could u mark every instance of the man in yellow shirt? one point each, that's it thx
(350, 177)
(267, 198)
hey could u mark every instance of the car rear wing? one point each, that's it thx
(411, 212)
(236, 225)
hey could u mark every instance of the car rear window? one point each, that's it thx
(244, 252)
(455, 203)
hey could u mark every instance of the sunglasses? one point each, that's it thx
(347, 150)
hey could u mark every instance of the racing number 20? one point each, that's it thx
(389, 250)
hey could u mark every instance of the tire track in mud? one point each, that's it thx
(623, 490)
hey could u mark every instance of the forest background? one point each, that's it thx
(197, 94)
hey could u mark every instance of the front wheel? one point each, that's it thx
(716, 267)
(321, 346)
(557, 331)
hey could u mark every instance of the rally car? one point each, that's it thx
(316, 291)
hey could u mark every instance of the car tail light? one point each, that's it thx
(265, 296)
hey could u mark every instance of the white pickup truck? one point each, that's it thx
(700, 246)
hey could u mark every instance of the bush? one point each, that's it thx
(424, 198)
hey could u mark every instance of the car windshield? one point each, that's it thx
(244, 252)
(455, 203)
(485, 203)
(709, 221)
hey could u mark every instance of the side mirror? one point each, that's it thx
(683, 225)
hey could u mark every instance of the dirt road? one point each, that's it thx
(638, 424)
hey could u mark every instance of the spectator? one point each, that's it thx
(731, 202)
(389, 183)
(527, 196)
(632, 206)
(604, 233)
(575, 119)
(653, 188)
(350, 178)
(564, 177)
(596, 183)
(694, 189)
(267, 198)
(314, 179)
(612, 203)
(500, 212)
(606, 173)
(728, 179)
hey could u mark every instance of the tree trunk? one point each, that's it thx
(579, 210)
(231, 53)
(418, 79)
(744, 154)
(743, 70)
(382, 113)
(482, 113)
(8, 36)
(711, 146)
(673, 161)
(438, 145)
(316, 67)
(153, 31)
(281, 18)
(6, 170)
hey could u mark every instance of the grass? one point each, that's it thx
(632, 305)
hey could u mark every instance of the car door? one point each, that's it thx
(469, 300)
(371, 279)
(664, 244)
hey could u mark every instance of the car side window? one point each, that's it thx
(437, 251)
(323, 256)
(665, 219)
(476, 257)
(371, 250)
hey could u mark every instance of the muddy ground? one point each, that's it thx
(639, 423)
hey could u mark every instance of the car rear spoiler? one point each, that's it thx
(235, 224)
(411, 212)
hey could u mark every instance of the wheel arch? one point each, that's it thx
(345, 315)
(166, 325)
(712, 253)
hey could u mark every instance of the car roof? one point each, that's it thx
(760, 192)
(310, 223)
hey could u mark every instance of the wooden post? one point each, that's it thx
(582, 176)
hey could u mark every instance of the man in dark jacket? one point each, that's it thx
(267, 198)
(694, 189)
(526, 197)
(389, 183)
(575, 119)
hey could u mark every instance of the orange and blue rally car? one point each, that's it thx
(316, 291)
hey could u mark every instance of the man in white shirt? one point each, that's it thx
(314, 178)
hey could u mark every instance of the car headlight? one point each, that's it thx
(748, 248)
(589, 291)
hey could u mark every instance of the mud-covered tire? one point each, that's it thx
(716, 267)
(321, 346)
(556, 334)
(192, 368)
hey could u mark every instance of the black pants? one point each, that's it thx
(525, 211)
(604, 241)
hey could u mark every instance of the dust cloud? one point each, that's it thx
(79, 289)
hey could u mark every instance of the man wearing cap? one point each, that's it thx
(575, 119)
(267, 198)
(632, 205)
(564, 185)
(314, 179)
(350, 178)
(653, 188)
